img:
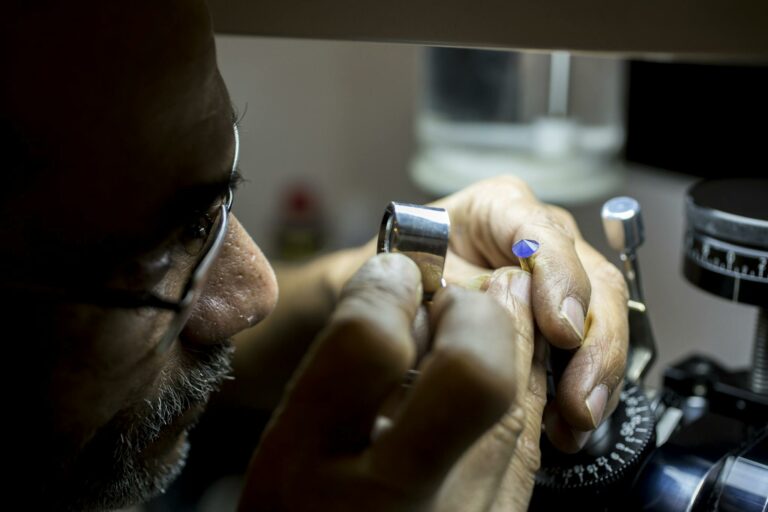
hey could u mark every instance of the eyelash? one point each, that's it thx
(201, 228)
(236, 179)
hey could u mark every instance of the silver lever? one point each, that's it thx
(623, 225)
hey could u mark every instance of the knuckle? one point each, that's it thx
(509, 181)
(507, 430)
(606, 357)
(499, 286)
(607, 273)
(563, 278)
(563, 219)
(511, 185)
(610, 348)
(588, 358)
(529, 453)
(553, 219)
(369, 295)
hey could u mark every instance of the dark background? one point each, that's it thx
(699, 119)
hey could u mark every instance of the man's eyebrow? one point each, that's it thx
(187, 203)
(198, 197)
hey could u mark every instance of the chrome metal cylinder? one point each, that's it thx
(421, 233)
(623, 226)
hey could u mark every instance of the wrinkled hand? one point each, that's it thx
(579, 299)
(497, 473)
(464, 437)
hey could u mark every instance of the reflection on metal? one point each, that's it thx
(623, 226)
(421, 233)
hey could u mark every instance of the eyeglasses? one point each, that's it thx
(194, 287)
(182, 308)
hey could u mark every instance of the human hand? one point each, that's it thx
(497, 473)
(579, 299)
(452, 442)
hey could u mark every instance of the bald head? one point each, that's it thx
(110, 107)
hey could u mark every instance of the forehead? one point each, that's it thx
(119, 118)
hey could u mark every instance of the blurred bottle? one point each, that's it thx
(300, 232)
(555, 120)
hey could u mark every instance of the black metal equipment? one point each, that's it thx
(701, 442)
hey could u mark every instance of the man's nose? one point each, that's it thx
(241, 290)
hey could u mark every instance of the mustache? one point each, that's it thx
(201, 372)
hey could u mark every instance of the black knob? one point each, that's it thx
(595, 478)
(726, 239)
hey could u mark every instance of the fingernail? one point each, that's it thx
(520, 286)
(580, 438)
(596, 402)
(573, 313)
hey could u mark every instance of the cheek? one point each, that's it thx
(105, 364)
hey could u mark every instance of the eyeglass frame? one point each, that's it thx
(130, 300)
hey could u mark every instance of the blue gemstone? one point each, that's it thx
(525, 248)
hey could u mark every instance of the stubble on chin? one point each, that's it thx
(143, 449)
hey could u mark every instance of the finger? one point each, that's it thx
(511, 287)
(476, 213)
(467, 383)
(561, 287)
(588, 388)
(484, 233)
(357, 360)
(473, 482)
(420, 332)
(460, 272)
(517, 485)
(561, 434)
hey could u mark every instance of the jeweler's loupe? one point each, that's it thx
(421, 233)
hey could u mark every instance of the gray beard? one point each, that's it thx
(112, 471)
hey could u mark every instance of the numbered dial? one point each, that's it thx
(726, 239)
(609, 460)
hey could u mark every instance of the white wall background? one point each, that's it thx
(339, 116)
(335, 115)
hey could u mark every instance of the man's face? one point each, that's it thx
(126, 129)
